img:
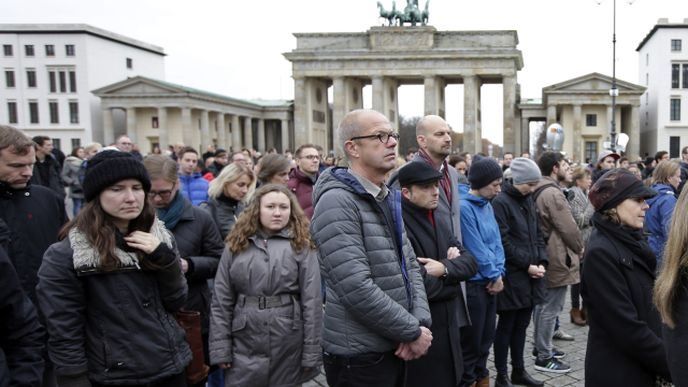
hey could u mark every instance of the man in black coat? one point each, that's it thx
(22, 338)
(445, 265)
(47, 169)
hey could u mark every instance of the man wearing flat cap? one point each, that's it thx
(445, 264)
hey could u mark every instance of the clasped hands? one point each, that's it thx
(436, 268)
(417, 348)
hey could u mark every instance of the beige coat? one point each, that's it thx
(267, 346)
(564, 242)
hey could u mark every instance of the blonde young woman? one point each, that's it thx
(671, 294)
(266, 312)
(665, 180)
(227, 195)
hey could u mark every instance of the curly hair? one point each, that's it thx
(249, 222)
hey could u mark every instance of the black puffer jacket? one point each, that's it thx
(225, 212)
(114, 327)
(523, 244)
(21, 335)
(48, 174)
(198, 241)
(34, 216)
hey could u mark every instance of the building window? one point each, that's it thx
(155, 123)
(72, 81)
(7, 49)
(33, 112)
(675, 73)
(69, 49)
(73, 112)
(62, 76)
(49, 50)
(12, 112)
(130, 63)
(52, 81)
(675, 45)
(31, 78)
(76, 143)
(590, 151)
(54, 112)
(28, 50)
(591, 120)
(675, 114)
(674, 147)
(684, 75)
(9, 78)
(57, 143)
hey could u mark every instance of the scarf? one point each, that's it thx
(173, 212)
(632, 238)
(445, 180)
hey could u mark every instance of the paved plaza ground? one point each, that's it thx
(575, 356)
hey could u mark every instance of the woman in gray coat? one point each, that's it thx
(266, 311)
(70, 176)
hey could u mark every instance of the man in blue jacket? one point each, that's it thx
(191, 184)
(480, 234)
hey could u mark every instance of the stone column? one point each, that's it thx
(633, 147)
(551, 115)
(302, 109)
(525, 135)
(434, 96)
(509, 95)
(261, 135)
(205, 130)
(163, 130)
(187, 134)
(471, 105)
(577, 132)
(236, 134)
(108, 128)
(285, 135)
(131, 127)
(339, 108)
(222, 131)
(248, 133)
(379, 94)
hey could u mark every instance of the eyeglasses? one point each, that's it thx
(383, 137)
(164, 194)
(310, 157)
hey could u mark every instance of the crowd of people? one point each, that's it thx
(240, 269)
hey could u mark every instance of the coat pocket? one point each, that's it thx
(239, 323)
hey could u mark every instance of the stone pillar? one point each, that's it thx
(205, 130)
(248, 133)
(284, 130)
(163, 130)
(261, 135)
(551, 115)
(633, 147)
(187, 130)
(525, 135)
(577, 132)
(108, 127)
(379, 94)
(471, 111)
(339, 108)
(221, 131)
(236, 134)
(434, 96)
(385, 98)
(131, 127)
(302, 109)
(509, 95)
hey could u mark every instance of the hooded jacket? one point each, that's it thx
(375, 293)
(658, 218)
(481, 237)
(70, 175)
(194, 188)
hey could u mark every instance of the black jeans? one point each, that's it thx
(575, 294)
(178, 380)
(368, 369)
(477, 338)
(511, 335)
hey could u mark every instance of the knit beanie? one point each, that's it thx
(484, 172)
(107, 168)
(524, 171)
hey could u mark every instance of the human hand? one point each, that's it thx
(419, 347)
(225, 366)
(536, 271)
(495, 287)
(143, 241)
(434, 268)
(453, 252)
(185, 265)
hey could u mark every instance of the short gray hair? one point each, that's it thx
(348, 128)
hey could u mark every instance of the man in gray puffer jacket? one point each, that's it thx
(376, 311)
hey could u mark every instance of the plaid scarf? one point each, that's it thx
(445, 180)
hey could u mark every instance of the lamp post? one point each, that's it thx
(613, 92)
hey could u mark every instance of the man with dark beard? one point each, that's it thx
(444, 265)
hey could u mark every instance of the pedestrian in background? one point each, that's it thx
(70, 176)
(267, 310)
(665, 180)
(228, 194)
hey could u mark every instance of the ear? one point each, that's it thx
(406, 193)
(351, 149)
(420, 139)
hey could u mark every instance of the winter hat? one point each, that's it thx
(524, 171)
(615, 186)
(418, 172)
(108, 167)
(220, 152)
(604, 154)
(484, 172)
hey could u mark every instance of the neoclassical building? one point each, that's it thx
(155, 112)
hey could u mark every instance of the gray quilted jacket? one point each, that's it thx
(370, 307)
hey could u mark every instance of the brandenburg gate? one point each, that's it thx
(391, 56)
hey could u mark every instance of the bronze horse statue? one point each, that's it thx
(411, 14)
(388, 15)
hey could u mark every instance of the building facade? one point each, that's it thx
(49, 70)
(663, 70)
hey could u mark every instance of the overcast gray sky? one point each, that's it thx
(235, 47)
